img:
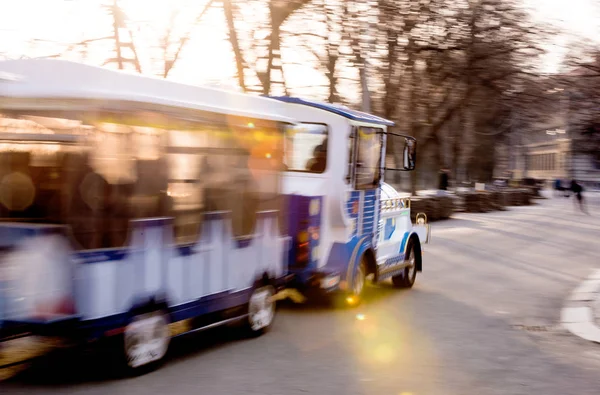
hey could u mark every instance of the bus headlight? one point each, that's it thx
(330, 281)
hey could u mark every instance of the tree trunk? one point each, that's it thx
(274, 46)
(235, 44)
(116, 33)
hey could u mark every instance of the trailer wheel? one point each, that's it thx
(407, 279)
(261, 310)
(146, 340)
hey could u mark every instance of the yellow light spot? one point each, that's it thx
(384, 353)
(350, 300)
(250, 125)
(268, 155)
(303, 237)
(360, 317)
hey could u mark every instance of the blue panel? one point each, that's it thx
(12, 233)
(343, 111)
(299, 219)
(361, 247)
(105, 255)
(206, 305)
(394, 260)
(185, 250)
(210, 304)
(389, 228)
(243, 243)
(351, 204)
(368, 213)
(378, 211)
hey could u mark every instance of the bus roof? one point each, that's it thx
(336, 109)
(61, 79)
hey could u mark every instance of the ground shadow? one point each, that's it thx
(100, 363)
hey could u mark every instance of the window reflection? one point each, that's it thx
(115, 171)
(368, 163)
(306, 148)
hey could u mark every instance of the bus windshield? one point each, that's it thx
(368, 161)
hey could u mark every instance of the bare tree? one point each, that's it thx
(172, 45)
(266, 52)
(119, 21)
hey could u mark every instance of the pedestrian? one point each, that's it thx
(443, 180)
(557, 187)
(577, 190)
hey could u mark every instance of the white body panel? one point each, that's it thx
(337, 225)
(44, 269)
(60, 79)
(106, 286)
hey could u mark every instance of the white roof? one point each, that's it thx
(52, 79)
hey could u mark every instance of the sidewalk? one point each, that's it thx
(581, 313)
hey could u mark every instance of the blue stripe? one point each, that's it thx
(403, 244)
(206, 305)
(343, 111)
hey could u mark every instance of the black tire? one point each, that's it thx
(408, 278)
(262, 309)
(354, 296)
(140, 358)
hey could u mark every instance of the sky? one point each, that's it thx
(208, 58)
(576, 17)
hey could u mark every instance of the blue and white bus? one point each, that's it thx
(347, 225)
(134, 209)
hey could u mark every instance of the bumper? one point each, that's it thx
(63, 326)
(22, 341)
(317, 284)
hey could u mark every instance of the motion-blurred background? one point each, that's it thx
(492, 89)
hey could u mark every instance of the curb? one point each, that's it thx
(578, 315)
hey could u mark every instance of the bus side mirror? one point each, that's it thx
(410, 153)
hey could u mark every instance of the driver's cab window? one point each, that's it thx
(306, 148)
(368, 157)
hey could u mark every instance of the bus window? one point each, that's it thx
(30, 178)
(223, 169)
(306, 148)
(368, 160)
(257, 175)
(107, 171)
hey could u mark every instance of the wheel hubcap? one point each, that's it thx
(146, 339)
(261, 308)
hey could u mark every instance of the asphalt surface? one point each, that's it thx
(483, 318)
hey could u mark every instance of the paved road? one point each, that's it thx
(482, 319)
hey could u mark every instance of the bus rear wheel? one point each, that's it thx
(261, 310)
(353, 297)
(146, 341)
(408, 277)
